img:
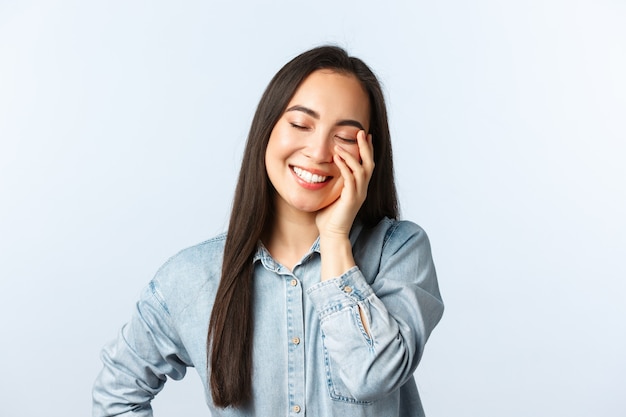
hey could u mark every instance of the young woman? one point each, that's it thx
(317, 301)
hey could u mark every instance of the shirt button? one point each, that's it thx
(296, 409)
(294, 282)
(295, 340)
(347, 289)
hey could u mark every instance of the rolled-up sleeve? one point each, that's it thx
(138, 362)
(401, 306)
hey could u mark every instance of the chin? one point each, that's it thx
(307, 207)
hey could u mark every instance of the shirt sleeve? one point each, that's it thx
(401, 306)
(137, 364)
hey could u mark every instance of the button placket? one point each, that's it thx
(295, 351)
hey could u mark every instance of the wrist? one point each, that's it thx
(336, 256)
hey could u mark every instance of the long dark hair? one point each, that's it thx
(229, 341)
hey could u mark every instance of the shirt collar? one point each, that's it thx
(263, 255)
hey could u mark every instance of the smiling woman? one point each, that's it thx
(317, 300)
(322, 121)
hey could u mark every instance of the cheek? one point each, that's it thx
(351, 148)
(337, 187)
(275, 147)
(354, 151)
(280, 144)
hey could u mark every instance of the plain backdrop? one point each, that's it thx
(121, 130)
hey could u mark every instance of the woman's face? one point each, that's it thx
(327, 110)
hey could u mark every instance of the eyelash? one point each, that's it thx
(345, 140)
(297, 126)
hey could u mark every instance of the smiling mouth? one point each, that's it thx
(309, 177)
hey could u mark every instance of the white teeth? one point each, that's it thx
(307, 176)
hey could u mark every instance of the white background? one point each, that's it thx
(121, 129)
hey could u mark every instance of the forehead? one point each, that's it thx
(333, 94)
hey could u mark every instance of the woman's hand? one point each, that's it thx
(335, 221)
(337, 218)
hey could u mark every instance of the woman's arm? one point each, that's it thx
(138, 362)
(374, 335)
(335, 221)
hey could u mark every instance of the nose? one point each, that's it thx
(319, 148)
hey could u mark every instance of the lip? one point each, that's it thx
(309, 185)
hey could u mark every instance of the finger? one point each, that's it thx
(361, 170)
(355, 177)
(366, 150)
(348, 157)
(349, 181)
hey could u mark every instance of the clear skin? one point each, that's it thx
(323, 132)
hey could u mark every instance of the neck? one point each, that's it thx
(291, 236)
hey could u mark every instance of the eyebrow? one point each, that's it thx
(316, 115)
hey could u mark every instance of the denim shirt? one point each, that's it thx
(311, 353)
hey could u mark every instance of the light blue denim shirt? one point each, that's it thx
(311, 353)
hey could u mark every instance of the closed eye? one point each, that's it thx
(349, 141)
(299, 127)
